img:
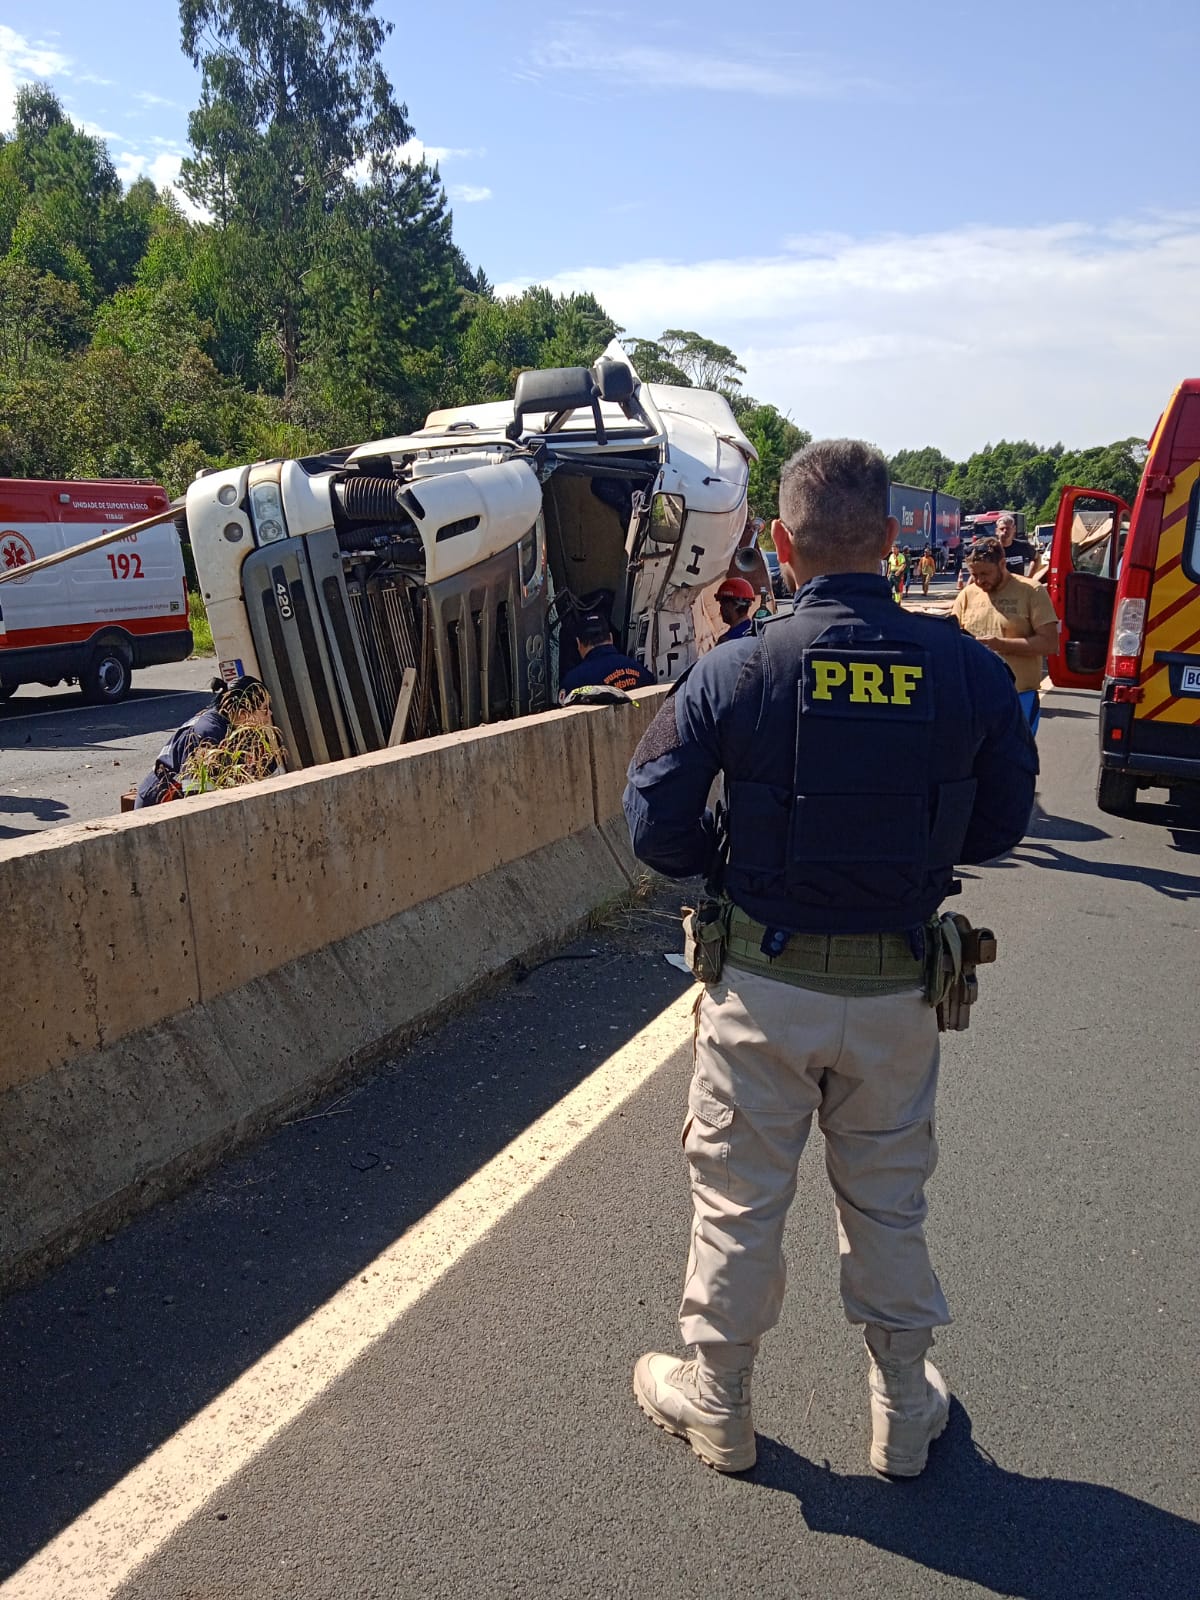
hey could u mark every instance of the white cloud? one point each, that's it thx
(21, 61)
(594, 52)
(149, 99)
(162, 168)
(469, 193)
(413, 151)
(1073, 332)
(98, 132)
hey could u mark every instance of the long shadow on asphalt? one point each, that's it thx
(111, 1354)
(1034, 853)
(966, 1517)
(28, 805)
(157, 711)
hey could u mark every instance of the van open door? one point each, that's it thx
(1085, 559)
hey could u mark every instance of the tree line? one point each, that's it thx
(1022, 476)
(316, 296)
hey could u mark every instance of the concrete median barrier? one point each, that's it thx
(178, 979)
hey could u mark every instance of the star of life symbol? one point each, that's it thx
(15, 552)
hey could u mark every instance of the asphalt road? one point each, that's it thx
(346, 1366)
(64, 761)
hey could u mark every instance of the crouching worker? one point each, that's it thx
(228, 743)
(817, 1001)
(601, 663)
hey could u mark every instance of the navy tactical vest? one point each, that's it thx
(854, 791)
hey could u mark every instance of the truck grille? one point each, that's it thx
(390, 617)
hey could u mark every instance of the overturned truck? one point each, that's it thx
(423, 584)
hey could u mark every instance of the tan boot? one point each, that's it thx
(910, 1404)
(705, 1401)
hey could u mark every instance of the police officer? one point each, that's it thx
(601, 662)
(734, 598)
(865, 751)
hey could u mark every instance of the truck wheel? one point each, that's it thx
(7, 690)
(1116, 792)
(107, 676)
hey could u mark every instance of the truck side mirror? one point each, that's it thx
(667, 517)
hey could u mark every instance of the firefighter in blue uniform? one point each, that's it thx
(601, 662)
(865, 751)
(734, 599)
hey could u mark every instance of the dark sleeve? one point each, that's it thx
(1006, 764)
(673, 767)
(210, 727)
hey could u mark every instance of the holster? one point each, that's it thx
(954, 950)
(706, 938)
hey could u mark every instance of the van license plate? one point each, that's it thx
(1189, 682)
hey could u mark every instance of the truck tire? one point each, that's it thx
(1116, 792)
(108, 675)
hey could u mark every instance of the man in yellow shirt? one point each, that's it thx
(1011, 616)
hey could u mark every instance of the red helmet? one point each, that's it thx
(736, 589)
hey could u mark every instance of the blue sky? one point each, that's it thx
(933, 223)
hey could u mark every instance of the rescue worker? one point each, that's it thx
(734, 598)
(927, 566)
(897, 571)
(601, 662)
(865, 751)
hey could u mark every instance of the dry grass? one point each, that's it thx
(245, 755)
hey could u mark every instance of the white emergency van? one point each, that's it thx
(97, 618)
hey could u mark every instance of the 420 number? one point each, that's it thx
(126, 565)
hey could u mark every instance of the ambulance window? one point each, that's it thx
(1191, 538)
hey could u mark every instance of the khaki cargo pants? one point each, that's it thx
(768, 1056)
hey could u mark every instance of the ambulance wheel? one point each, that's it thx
(7, 690)
(107, 676)
(1116, 793)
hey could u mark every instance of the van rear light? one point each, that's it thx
(1129, 624)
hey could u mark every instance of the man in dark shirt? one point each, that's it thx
(1018, 552)
(865, 751)
(601, 662)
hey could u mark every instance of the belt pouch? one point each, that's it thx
(705, 936)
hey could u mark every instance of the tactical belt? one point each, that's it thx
(855, 964)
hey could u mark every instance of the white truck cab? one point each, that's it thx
(441, 575)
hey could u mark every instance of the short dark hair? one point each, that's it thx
(833, 499)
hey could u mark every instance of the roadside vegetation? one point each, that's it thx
(312, 294)
(202, 639)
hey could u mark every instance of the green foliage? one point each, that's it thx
(503, 338)
(1020, 476)
(776, 438)
(294, 100)
(202, 639)
(708, 365)
(653, 365)
(924, 469)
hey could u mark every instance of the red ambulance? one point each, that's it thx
(92, 620)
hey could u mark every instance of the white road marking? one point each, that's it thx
(92, 1558)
